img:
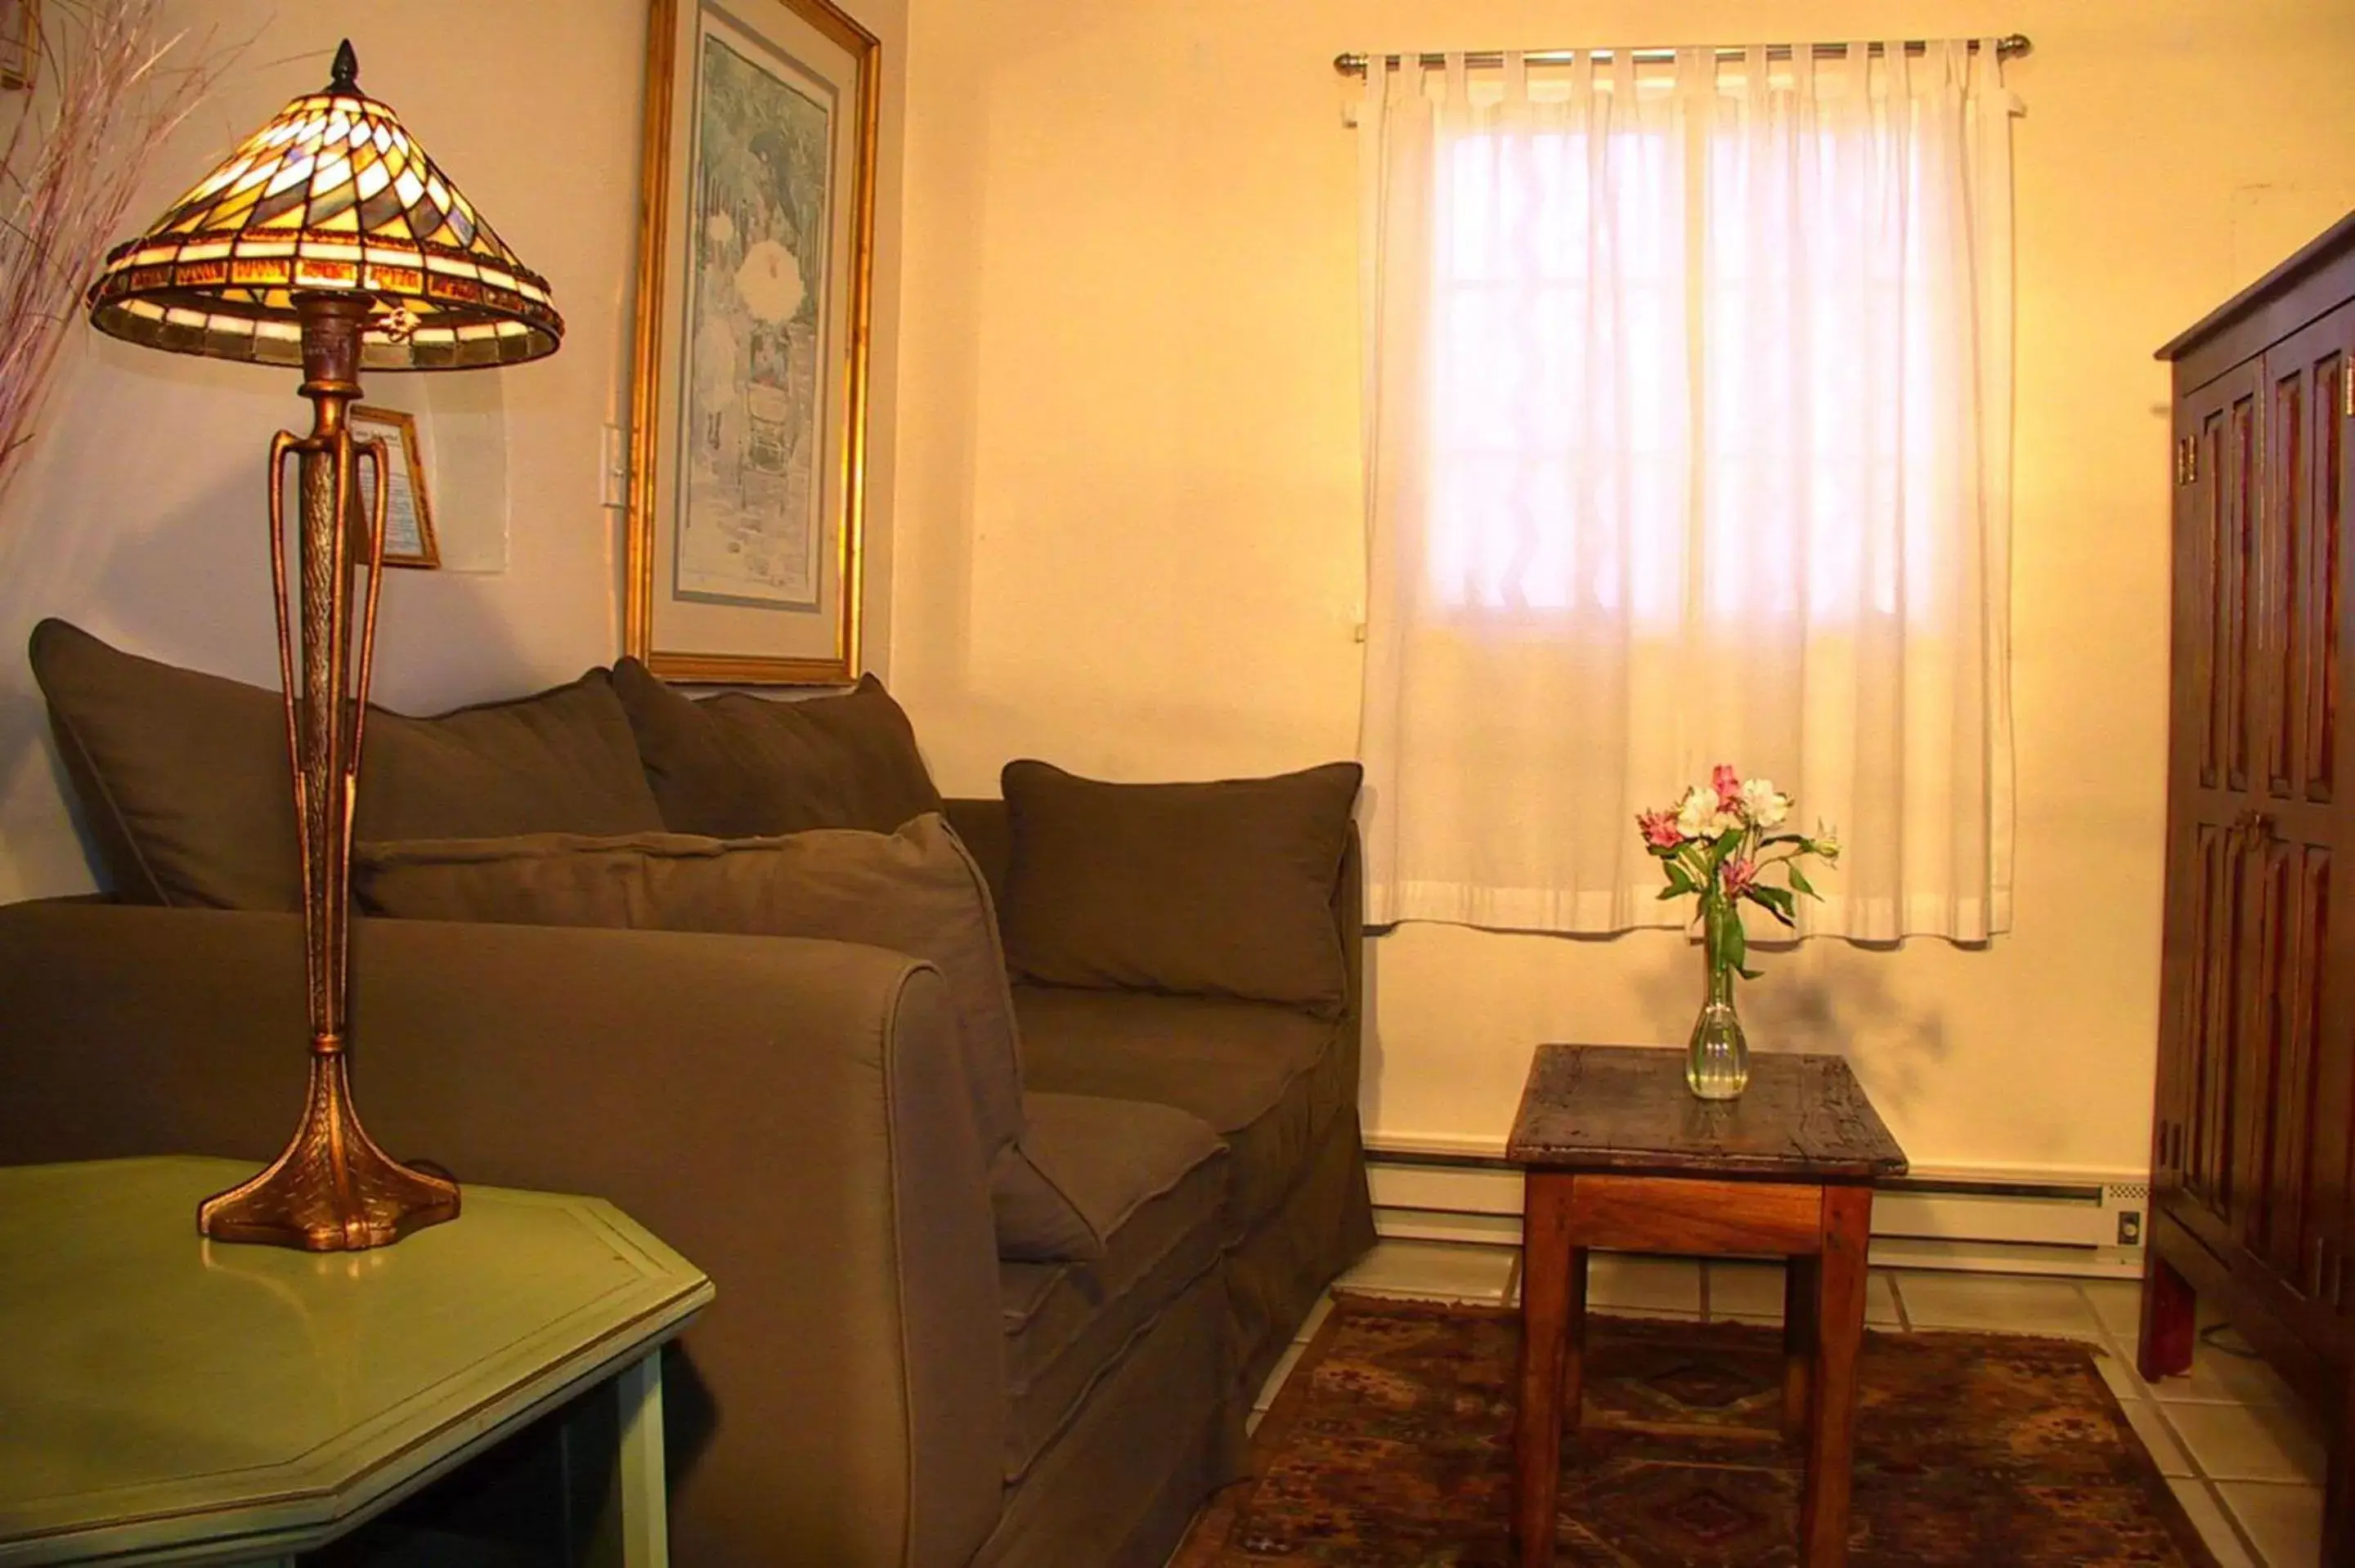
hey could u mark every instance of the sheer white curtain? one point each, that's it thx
(1688, 441)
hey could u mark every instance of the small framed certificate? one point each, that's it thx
(407, 510)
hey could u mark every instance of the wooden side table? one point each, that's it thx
(167, 1399)
(1618, 1154)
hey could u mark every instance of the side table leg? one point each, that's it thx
(1846, 1233)
(1799, 1289)
(1547, 1311)
(633, 1526)
(1573, 1353)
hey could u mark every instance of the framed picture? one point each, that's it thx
(755, 263)
(408, 510)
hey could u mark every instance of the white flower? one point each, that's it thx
(1826, 843)
(1762, 803)
(1699, 817)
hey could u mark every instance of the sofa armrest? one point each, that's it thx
(770, 1107)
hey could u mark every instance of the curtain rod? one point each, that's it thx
(1354, 65)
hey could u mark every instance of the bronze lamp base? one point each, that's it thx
(333, 1190)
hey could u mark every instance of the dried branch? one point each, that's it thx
(110, 88)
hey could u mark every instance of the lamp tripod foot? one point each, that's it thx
(333, 1190)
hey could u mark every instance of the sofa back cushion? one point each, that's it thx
(187, 788)
(1214, 889)
(735, 766)
(915, 891)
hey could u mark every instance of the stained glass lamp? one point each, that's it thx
(328, 241)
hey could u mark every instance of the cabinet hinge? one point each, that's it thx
(2346, 384)
(2187, 459)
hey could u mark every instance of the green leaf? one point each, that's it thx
(1679, 881)
(1752, 974)
(1799, 880)
(1735, 944)
(1727, 842)
(1775, 901)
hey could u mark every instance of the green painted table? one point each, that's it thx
(167, 1399)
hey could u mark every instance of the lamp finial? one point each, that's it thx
(345, 75)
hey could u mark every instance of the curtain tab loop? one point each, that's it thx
(1516, 78)
(1377, 87)
(1696, 73)
(1898, 65)
(1623, 85)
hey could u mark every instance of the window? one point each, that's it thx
(1695, 383)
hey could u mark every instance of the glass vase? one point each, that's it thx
(1717, 1057)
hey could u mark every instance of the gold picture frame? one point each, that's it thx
(410, 540)
(756, 254)
(20, 43)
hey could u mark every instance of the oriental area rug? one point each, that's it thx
(1390, 1446)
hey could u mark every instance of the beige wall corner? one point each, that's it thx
(1130, 511)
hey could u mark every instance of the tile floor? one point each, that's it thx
(2242, 1454)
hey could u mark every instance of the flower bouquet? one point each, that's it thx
(1721, 842)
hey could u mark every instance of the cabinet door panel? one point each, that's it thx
(2241, 677)
(2309, 476)
(2282, 981)
(2211, 1017)
(2217, 932)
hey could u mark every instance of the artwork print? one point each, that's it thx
(751, 524)
(409, 539)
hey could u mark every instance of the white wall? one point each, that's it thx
(140, 513)
(1130, 509)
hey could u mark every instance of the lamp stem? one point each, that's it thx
(333, 1189)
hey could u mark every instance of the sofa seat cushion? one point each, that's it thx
(1153, 1179)
(1269, 1080)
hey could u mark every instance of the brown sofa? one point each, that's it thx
(874, 1386)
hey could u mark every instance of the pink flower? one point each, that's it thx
(1741, 875)
(1727, 782)
(1659, 829)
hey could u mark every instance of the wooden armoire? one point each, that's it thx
(2251, 1166)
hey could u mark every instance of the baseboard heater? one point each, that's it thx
(2006, 1223)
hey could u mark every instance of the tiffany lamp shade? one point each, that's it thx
(329, 240)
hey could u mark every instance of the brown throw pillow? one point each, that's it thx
(916, 891)
(735, 766)
(1220, 889)
(185, 782)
